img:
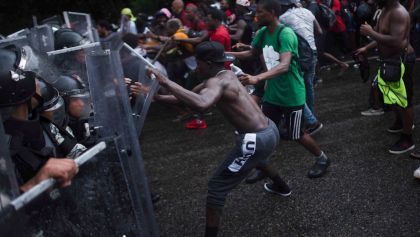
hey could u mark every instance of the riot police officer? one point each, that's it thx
(49, 106)
(33, 161)
(77, 106)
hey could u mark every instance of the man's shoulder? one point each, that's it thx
(400, 11)
(181, 35)
(305, 11)
(395, 14)
(286, 31)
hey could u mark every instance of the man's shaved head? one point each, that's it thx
(177, 6)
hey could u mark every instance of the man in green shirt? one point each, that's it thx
(285, 89)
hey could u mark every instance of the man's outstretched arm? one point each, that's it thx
(207, 97)
(282, 67)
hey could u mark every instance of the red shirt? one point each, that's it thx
(221, 35)
(339, 25)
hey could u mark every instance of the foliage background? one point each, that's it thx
(17, 14)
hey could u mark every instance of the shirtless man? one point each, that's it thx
(391, 36)
(258, 136)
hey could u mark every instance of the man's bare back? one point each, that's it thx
(237, 105)
(226, 92)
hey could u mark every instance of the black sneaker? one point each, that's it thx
(314, 129)
(402, 146)
(283, 190)
(319, 168)
(255, 176)
(397, 128)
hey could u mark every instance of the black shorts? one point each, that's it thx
(292, 117)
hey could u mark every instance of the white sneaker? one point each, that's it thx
(373, 112)
(417, 173)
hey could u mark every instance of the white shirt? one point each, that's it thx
(301, 20)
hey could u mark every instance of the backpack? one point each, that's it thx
(327, 15)
(306, 54)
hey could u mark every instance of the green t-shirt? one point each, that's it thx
(287, 89)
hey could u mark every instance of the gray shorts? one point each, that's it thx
(250, 151)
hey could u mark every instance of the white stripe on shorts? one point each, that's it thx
(297, 118)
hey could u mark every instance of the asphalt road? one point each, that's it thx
(367, 191)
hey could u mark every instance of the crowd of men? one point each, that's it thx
(256, 61)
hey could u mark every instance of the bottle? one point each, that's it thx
(238, 72)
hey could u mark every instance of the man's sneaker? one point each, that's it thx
(284, 190)
(373, 112)
(417, 173)
(397, 128)
(312, 130)
(255, 176)
(402, 146)
(415, 154)
(196, 123)
(320, 167)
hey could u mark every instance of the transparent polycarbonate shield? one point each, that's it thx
(9, 190)
(134, 67)
(112, 117)
(42, 38)
(19, 33)
(33, 60)
(72, 61)
(38, 62)
(18, 41)
(8, 182)
(82, 23)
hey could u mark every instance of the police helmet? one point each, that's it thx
(71, 86)
(49, 96)
(67, 38)
(17, 83)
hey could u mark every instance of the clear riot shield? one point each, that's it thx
(72, 61)
(112, 117)
(18, 41)
(82, 23)
(8, 182)
(134, 67)
(9, 190)
(41, 38)
(35, 60)
(19, 33)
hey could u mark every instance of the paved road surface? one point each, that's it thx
(367, 192)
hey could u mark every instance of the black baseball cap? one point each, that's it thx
(212, 51)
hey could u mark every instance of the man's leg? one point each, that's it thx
(212, 221)
(405, 143)
(375, 100)
(227, 176)
(311, 122)
(278, 186)
(309, 143)
(293, 118)
(275, 114)
(308, 77)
